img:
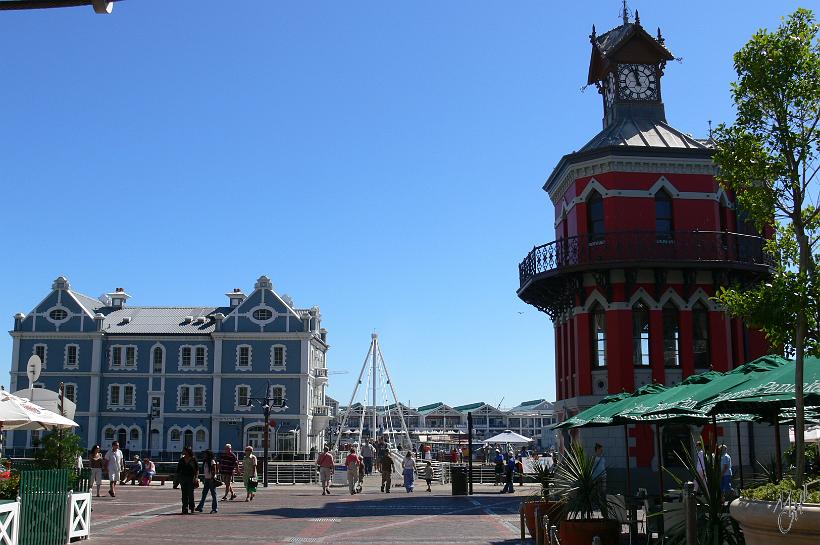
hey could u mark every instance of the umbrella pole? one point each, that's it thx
(626, 451)
(739, 453)
(660, 459)
(778, 461)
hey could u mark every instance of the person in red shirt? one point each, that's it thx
(325, 463)
(352, 462)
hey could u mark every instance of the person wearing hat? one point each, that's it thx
(499, 466)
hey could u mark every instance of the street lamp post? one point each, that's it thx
(152, 413)
(267, 404)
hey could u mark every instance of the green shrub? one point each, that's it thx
(773, 492)
(10, 487)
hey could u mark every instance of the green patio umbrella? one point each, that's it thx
(650, 408)
(584, 416)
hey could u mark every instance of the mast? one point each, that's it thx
(374, 349)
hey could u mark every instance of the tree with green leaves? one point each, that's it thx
(59, 450)
(769, 158)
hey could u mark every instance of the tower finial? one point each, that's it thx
(593, 35)
(637, 18)
(660, 37)
(710, 129)
(625, 13)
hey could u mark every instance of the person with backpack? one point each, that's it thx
(209, 472)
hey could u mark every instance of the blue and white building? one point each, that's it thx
(189, 371)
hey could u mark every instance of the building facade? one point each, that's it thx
(198, 376)
(644, 238)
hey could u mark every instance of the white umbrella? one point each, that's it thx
(509, 436)
(18, 413)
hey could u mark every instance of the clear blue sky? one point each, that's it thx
(383, 160)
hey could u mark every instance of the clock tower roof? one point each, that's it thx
(627, 43)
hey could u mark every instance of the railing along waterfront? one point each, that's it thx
(644, 246)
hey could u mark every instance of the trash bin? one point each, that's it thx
(458, 479)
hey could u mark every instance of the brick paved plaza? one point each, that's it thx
(300, 514)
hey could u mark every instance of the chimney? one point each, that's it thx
(323, 335)
(118, 298)
(98, 320)
(218, 317)
(61, 283)
(18, 321)
(236, 297)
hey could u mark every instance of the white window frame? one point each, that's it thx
(249, 366)
(65, 388)
(191, 389)
(44, 357)
(123, 354)
(76, 364)
(120, 402)
(193, 366)
(273, 366)
(238, 406)
(276, 408)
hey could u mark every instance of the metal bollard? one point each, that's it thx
(690, 510)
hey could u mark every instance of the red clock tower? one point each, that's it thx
(644, 236)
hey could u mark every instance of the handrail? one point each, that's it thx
(644, 246)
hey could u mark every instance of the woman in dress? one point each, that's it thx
(249, 473)
(96, 463)
(409, 471)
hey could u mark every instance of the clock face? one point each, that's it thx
(638, 81)
(609, 90)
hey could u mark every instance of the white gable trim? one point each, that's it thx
(641, 295)
(595, 296)
(672, 295)
(701, 296)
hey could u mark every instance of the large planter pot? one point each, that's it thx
(581, 532)
(758, 520)
(549, 508)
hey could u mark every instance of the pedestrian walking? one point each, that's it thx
(325, 463)
(367, 455)
(228, 463)
(249, 473)
(352, 464)
(519, 468)
(409, 471)
(428, 474)
(499, 467)
(386, 469)
(700, 462)
(509, 470)
(599, 469)
(96, 463)
(725, 472)
(209, 484)
(187, 471)
(113, 463)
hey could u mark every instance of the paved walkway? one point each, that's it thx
(300, 514)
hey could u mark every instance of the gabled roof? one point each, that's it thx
(91, 304)
(432, 407)
(531, 406)
(605, 47)
(470, 407)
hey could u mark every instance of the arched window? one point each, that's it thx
(188, 439)
(700, 335)
(640, 334)
(595, 215)
(175, 435)
(200, 436)
(671, 336)
(663, 214)
(122, 437)
(598, 335)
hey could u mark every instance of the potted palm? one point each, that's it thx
(585, 510)
(542, 500)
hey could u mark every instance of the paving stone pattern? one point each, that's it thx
(300, 514)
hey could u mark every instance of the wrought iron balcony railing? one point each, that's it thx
(650, 247)
(320, 372)
(321, 410)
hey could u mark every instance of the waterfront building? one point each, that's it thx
(441, 423)
(644, 238)
(195, 375)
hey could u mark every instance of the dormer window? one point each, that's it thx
(118, 298)
(595, 216)
(235, 297)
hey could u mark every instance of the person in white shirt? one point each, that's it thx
(114, 464)
(700, 466)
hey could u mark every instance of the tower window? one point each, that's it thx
(158, 358)
(640, 335)
(700, 335)
(663, 215)
(671, 336)
(595, 215)
(598, 336)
